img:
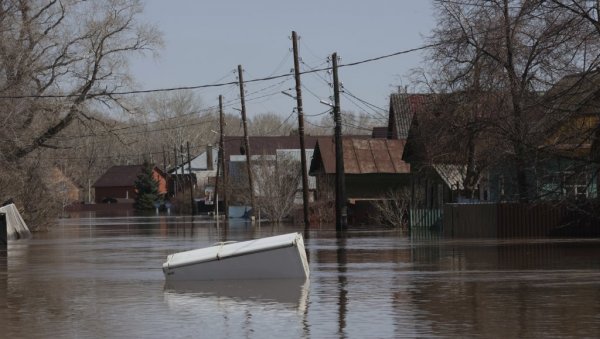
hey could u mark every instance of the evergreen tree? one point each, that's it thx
(147, 188)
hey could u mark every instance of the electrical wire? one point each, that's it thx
(109, 133)
(131, 155)
(170, 89)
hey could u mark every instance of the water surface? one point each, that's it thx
(101, 277)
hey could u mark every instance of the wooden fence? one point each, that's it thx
(501, 220)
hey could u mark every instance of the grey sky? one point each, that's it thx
(206, 40)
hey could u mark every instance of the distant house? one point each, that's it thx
(371, 166)
(203, 172)
(117, 184)
(264, 148)
(372, 169)
(437, 169)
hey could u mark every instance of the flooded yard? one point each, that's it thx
(102, 277)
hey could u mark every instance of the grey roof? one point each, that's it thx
(403, 107)
(453, 175)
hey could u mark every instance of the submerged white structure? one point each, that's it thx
(16, 228)
(278, 257)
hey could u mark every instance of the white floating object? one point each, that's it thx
(16, 228)
(278, 257)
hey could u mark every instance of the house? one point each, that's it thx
(117, 184)
(431, 147)
(203, 172)
(269, 148)
(569, 147)
(372, 168)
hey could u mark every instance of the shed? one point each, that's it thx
(117, 183)
(372, 167)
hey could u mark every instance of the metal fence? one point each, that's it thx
(501, 220)
(425, 219)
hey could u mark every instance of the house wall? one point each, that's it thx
(429, 191)
(114, 192)
(374, 185)
(361, 186)
(122, 192)
(162, 182)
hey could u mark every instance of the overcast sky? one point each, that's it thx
(206, 40)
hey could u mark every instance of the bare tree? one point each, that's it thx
(277, 184)
(177, 118)
(60, 60)
(393, 209)
(509, 50)
(267, 124)
(59, 57)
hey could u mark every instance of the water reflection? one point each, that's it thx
(242, 308)
(290, 294)
(342, 282)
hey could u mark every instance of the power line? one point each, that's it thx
(130, 155)
(185, 115)
(109, 133)
(170, 89)
(362, 108)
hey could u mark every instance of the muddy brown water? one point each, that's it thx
(102, 278)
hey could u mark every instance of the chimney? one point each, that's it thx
(209, 157)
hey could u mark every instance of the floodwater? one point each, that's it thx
(102, 278)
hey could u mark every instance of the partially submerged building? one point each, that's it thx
(117, 184)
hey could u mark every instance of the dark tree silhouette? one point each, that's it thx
(147, 188)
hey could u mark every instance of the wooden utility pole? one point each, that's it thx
(216, 192)
(176, 181)
(341, 214)
(246, 138)
(305, 198)
(182, 171)
(191, 177)
(221, 160)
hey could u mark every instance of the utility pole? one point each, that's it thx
(341, 213)
(246, 139)
(176, 181)
(216, 192)
(305, 198)
(221, 160)
(182, 170)
(191, 182)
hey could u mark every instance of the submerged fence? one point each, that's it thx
(501, 220)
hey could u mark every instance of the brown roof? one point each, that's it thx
(259, 145)
(120, 176)
(361, 156)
